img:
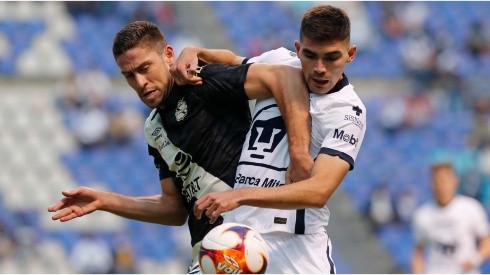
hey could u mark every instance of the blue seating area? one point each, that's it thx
(400, 160)
(20, 35)
(277, 25)
(404, 152)
(90, 47)
(253, 34)
(400, 156)
(128, 170)
(280, 23)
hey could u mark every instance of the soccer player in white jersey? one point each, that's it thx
(293, 217)
(448, 229)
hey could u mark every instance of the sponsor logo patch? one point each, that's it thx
(339, 134)
(354, 120)
(156, 131)
(280, 220)
(181, 110)
(357, 110)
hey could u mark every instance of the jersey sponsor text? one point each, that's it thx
(342, 136)
(355, 120)
(255, 181)
(191, 189)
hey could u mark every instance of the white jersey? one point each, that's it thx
(338, 127)
(450, 233)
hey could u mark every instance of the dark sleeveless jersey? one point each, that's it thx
(198, 137)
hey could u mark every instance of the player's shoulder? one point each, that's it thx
(151, 116)
(347, 95)
(153, 126)
(467, 202)
(152, 122)
(214, 69)
(277, 56)
(343, 102)
(424, 212)
(350, 100)
(220, 77)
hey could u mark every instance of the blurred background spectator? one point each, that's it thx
(91, 255)
(68, 118)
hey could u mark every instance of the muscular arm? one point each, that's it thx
(166, 209)
(208, 56)
(482, 256)
(417, 261)
(285, 83)
(326, 175)
(484, 249)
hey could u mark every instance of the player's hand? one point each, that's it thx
(184, 68)
(299, 170)
(214, 204)
(468, 265)
(76, 203)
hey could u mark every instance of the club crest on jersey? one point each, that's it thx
(181, 110)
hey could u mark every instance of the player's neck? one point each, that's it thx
(166, 94)
(444, 202)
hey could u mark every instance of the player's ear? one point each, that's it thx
(352, 53)
(168, 54)
(297, 46)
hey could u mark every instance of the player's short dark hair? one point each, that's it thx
(325, 23)
(439, 165)
(138, 33)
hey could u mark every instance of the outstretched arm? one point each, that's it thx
(417, 261)
(327, 174)
(166, 209)
(482, 255)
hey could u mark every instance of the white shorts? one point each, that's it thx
(194, 267)
(299, 254)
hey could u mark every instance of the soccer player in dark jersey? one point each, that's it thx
(194, 133)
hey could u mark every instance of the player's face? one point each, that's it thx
(444, 184)
(323, 62)
(147, 72)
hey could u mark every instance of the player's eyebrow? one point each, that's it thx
(142, 64)
(334, 52)
(306, 50)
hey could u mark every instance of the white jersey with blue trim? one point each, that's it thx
(450, 233)
(338, 127)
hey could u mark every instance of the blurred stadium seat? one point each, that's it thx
(40, 157)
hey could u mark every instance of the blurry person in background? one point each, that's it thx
(195, 134)
(381, 206)
(124, 258)
(452, 233)
(82, 98)
(91, 255)
(7, 244)
(478, 41)
(405, 205)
